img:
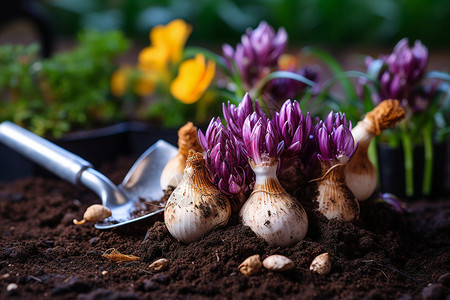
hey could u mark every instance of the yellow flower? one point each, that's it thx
(194, 77)
(120, 81)
(153, 58)
(172, 37)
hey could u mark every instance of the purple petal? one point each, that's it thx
(324, 143)
(329, 121)
(343, 141)
(202, 140)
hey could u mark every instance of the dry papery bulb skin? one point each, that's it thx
(360, 173)
(94, 213)
(335, 200)
(321, 264)
(270, 211)
(196, 206)
(173, 171)
(159, 265)
(278, 263)
(251, 265)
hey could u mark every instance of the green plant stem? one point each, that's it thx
(428, 155)
(373, 156)
(409, 164)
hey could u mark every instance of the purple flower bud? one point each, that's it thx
(207, 140)
(400, 71)
(292, 127)
(334, 139)
(324, 143)
(329, 122)
(344, 144)
(235, 116)
(259, 49)
(260, 138)
(226, 161)
(396, 87)
(264, 45)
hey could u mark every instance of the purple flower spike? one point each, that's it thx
(400, 72)
(207, 140)
(293, 128)
(235, 116)
(324, 143)
(260, 138)
(334, 139)
(263, 45)
(227, 162)
(408, 62)
(344, 144)
(259, 49)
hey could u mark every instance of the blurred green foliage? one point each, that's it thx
(63, 93)
(321, 22)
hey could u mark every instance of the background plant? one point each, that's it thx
(402, 75)
(66, 92)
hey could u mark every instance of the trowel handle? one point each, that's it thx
(57, 160)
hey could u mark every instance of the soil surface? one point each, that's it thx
(385, 255)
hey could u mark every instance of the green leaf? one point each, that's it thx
(282, 74)
(368, 103)
(438, 75)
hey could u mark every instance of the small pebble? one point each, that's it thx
(11, 287)
(159, 265)
(104, 272)
(278, 263)
(432, 292)
(251, 265)
(321, 264)
(5, 276)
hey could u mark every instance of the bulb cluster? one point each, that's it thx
(252, 151)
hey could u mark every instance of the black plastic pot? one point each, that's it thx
(96, 146)
(392, 171)
(143, 135)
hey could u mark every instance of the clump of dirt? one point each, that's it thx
(385, 254)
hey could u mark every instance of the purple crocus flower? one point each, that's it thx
(292, 127)
(235, 116)
(334, 139)
(261, 139)
(409, 63)
(399, 72)
(227, 162)
(295, 131)
(258, 51)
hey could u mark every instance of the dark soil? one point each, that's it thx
(384, 255)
